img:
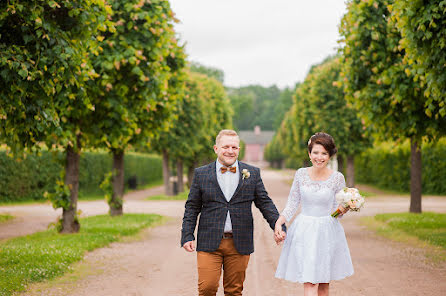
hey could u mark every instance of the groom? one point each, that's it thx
(223, 192)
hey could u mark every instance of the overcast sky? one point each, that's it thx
(259, 41)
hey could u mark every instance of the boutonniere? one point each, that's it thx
(246, 174)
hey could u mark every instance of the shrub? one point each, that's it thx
(29, 178)
(388, 166)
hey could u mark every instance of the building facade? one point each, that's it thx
(255, 142)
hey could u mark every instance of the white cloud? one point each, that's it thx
(259, 42)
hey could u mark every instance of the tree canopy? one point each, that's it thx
(422, 25)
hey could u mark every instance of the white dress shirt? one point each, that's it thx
(228, 183)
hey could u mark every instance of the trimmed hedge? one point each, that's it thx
(388, 166)
(29, 178)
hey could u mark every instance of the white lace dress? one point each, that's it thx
(315, 249)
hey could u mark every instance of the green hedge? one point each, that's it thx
(388, 166)
(29, 178)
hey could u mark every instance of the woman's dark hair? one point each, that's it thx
(325, 140)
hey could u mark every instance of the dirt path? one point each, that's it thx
(156, 265)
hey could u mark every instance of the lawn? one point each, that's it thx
(426, 230)
(5, 217)
(428, 227)
(181, 196)
(45, 255)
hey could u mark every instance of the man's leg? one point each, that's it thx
(209, 269)
(234, 268)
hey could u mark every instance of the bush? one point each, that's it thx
(388, 166)
(29, 178)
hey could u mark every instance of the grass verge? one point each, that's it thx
(426, 230)
(367, 193)
(181, 196)
(46, 255)
(5, 217)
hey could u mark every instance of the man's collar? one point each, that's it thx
(219, 165)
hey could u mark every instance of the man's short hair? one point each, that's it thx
(226, 132)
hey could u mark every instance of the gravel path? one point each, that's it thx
(156, 265)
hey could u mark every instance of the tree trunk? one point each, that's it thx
(180, 183)
(166, 174)
(70, 224)
(350, 171)
(118, 183)
(340, 163)
(415, 176)
(190, 174)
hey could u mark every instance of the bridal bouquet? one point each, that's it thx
(350, 199)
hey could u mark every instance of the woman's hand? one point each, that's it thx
(343, 210)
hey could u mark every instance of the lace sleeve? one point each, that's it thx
(338, 186)
(293, 198)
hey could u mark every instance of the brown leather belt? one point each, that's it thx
(227, 235)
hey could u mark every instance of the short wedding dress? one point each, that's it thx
(315, 249)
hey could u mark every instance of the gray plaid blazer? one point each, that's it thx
(207, 198)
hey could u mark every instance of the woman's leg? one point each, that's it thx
(310, 289)
(323, 289)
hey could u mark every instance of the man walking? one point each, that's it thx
(223, 192)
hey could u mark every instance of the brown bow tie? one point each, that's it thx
(231, 169)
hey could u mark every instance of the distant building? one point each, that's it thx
(255, 142)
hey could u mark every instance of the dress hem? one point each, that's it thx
(302, 282)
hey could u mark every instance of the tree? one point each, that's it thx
(219, 116)
(423, 36)
(274, 154)
(254, 105)
(320, 105)
(289, 140)
(44, 62)
(208, 71)
(204, 110)
(139, 70)
(332, 113)
(284, 103)
(243, 105)
(380, 85)
(186, 130)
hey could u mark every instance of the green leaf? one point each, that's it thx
(23, 73)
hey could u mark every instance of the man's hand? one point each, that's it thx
(189, 246)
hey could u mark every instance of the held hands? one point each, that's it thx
(279, 234)
(189, 246)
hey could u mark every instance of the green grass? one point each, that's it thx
(367, 193)
(5, 217)
(385, 190)
(181, 196)
(429, 227)
(46, 255)
(426, 230)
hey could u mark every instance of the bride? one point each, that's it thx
(315, 250)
